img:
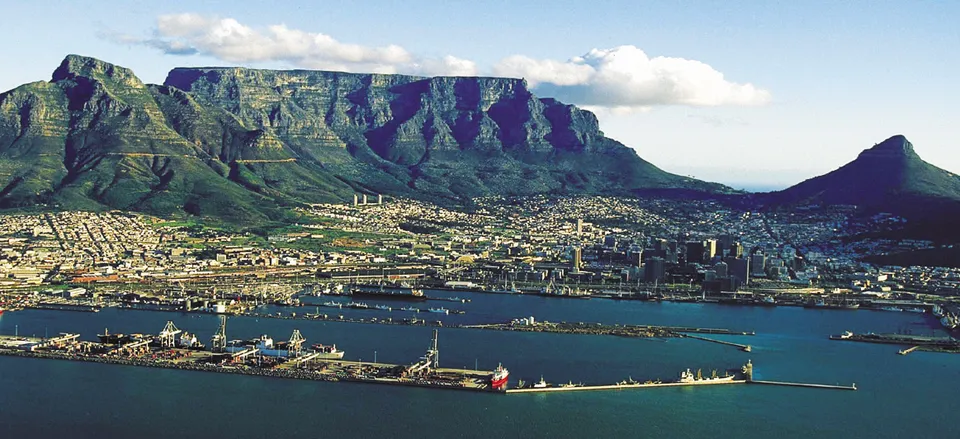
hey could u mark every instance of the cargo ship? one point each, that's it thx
(108, 338)
(266, 346)
(688, 377)
(388, 291)
(498, 381)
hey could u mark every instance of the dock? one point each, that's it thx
(812, 386)
(742, 347)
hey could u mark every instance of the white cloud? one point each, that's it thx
(447, 66)
(229, 40)
(618, 80)
(625, 77)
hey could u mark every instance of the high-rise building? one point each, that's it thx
(579, 226)
(379, 199)
(710, 249)
(655, 270)
(720, 269)
(736, 250)
(577, 258)
(758, 263)
(738, 268)
(695, 251)
(661, 244)
(355, 200)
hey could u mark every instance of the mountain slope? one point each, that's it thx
(243, 145)
(888, 177)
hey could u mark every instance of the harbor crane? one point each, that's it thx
(295, 345)
(219, 341)
(168, 337)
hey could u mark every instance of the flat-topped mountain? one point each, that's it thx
(243, 144)
(888, 177)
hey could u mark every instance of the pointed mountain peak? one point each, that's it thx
(74, 66)
(895, 147)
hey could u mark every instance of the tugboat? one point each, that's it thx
(540, 384)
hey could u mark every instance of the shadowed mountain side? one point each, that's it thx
(889, 177)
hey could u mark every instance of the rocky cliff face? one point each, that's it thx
(242, 143)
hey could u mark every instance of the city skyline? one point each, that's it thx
(748, 94)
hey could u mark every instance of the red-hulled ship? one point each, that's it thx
(498, 381)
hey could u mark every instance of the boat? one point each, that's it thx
(358, 305)
(388, 291)
(333, 304)
(498, 381)
(937, 311)
(108, 338)
(688, 377)
(891, 308)
(768, 301)
(540, 384)
(949, 322)
(440, 310)
(410, 309)
(383, 308)
(916, 310)
(325, 352)
(1, 310)
(570, 384)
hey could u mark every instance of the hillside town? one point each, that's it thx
(589, 243)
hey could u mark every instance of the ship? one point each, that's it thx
(325, 352)
(498, 381)
(540, 384)
(266, 346)
(108, 338)
(688, 377)
(388, 291)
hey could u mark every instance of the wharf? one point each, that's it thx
(335, 374)
(621, 386)
(65, 307)
(812, 386)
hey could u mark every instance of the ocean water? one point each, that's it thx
(899, 396)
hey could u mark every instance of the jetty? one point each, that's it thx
(622, 386)
(742, 347)
(808, 385)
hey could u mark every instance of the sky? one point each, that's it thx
(753, 94)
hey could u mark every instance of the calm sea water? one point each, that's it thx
(899, 397)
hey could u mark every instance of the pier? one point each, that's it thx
(742, 347)
(621, 386)
(908, 350)
(808, 385)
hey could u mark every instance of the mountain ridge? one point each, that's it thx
(246, 144)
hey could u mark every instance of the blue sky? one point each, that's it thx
(756, 94)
